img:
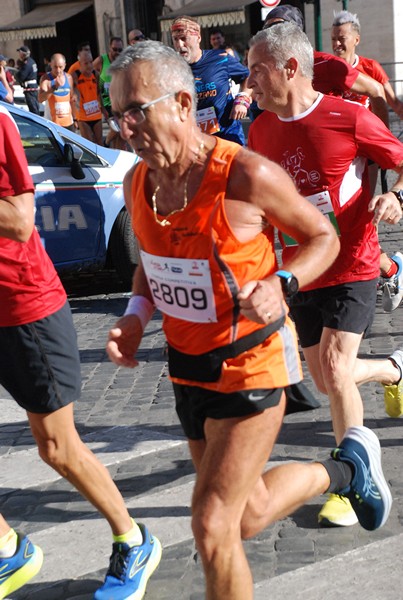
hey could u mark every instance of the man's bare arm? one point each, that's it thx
(386, 206)
(376, 93)
(10, 96)
(17, 217)
(271, 192)
(393, 100)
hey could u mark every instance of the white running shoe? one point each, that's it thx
(392, 290)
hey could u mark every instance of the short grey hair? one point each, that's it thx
(286, 40)
(172, 73)
(343, 16)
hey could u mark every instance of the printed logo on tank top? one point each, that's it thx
(177, 234)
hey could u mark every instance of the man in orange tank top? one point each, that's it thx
(82, 47)
(56, 87)
(203, 210)
(86, 88)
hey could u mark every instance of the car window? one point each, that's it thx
(89, 159)
(39, 143)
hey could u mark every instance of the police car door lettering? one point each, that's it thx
(68, 216)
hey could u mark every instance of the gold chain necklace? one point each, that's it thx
(165, 221)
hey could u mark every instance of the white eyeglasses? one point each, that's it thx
(135, 115)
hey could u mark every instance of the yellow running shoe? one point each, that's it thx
(393, 394)
(18, 569)
(337, 512)
(393, 397)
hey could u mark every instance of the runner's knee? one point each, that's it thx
(213, 527)
(61, 456)
(336, 372)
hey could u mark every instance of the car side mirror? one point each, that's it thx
(68, 153)
(72, 156)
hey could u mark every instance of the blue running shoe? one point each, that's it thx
(130, 568)
(368, 491)
(18, 569)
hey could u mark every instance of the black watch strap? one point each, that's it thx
(289, 283)
(399, 196)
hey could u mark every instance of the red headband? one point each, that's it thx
(185, 26)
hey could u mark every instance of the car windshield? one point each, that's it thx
(39, 144)
(41, 147)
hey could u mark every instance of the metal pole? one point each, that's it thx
(318, 26)
(345, 4)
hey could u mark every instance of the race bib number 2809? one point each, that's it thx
(181, 287)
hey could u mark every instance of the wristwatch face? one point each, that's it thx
(292, 285)
(399, 196)
(289, 282)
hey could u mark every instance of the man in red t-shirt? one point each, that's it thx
(40, 368)
(324, 143)
(331, 75)
(345, 39)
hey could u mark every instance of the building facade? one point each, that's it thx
(59, 26)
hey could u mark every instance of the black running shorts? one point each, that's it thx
(347, 307)
(194, 405)
(40, 363)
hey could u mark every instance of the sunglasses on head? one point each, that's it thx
(271, 23)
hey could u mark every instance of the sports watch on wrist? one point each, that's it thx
(289, 283)
(399, 196)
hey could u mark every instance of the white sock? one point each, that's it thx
(8, 544)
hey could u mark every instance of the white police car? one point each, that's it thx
(80, 210)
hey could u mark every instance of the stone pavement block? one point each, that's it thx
(294, 544)
(370, 572)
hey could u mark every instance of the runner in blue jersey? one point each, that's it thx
(218, 112)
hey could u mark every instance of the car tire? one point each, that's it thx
(123, 248)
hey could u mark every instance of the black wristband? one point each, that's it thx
(399, 196)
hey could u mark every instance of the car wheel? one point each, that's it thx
(123, 247)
